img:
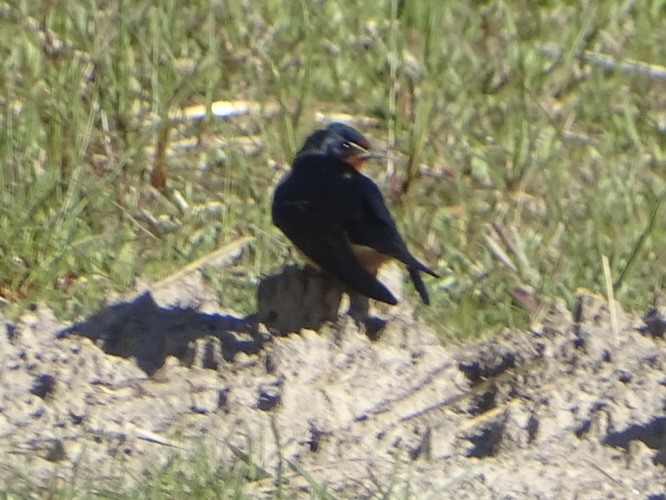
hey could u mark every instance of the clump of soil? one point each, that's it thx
(571, 408)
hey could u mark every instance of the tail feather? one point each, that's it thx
(419, 285)
(412, 262)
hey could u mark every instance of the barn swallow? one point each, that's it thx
(337, 217)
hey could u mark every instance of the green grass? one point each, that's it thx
(521, 168)
(564, 156)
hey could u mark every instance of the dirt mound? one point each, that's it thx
(571, 408)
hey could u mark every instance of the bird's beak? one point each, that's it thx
(362, 154)
(373, 155)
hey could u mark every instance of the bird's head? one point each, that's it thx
(342, 142)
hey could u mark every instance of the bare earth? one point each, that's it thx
(569, 409)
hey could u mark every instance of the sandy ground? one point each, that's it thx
(572, 408)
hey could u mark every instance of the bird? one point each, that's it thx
(337, 217)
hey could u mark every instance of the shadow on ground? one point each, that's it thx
(149, 333)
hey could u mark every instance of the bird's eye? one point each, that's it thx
(346, 145)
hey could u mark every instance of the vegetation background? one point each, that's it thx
(526, 139)
(527, 143)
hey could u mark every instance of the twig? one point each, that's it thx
(609, 63)
(154, 438)
(219, 258)
(609, 476)
(393, 87)
(223, 109)
(611, 295)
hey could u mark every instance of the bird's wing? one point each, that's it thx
(314, 229)
(374, 227)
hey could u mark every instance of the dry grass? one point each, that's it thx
(527, 143)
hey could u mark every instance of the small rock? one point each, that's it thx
(298, 298)
(270, 362)
(206, 402)
(222, 398)
(76, 416)
(623, 376)
(43, 385)
(56, 451)
(269, 397)
(655, 323)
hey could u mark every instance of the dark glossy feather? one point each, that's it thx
(324, 205)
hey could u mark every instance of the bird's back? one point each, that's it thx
(312, 206)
